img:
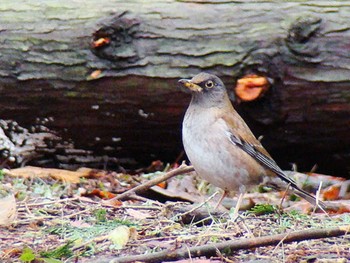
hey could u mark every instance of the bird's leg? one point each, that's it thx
(220, 200)
(238, 205)
(284, 196)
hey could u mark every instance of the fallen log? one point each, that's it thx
(102, 76)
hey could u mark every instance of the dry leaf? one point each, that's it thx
(137, 214)
(120, 236)
(133, 233)
(80, 224)
(101, 194)
(331, 193)
(181, 188)
(112, 202)
(8, 211)
(58, 174)
(162, 185)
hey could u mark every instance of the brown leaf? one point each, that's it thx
(57, 174)
(8, 211)
(101, 194)
(112, 202)
(183, 189)
(331, 193)
(80, 224)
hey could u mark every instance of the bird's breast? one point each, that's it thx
(212, 154)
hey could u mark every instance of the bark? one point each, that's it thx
(102, 75)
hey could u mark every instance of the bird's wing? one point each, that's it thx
(236, 125)
(265, 160)
(241, 136)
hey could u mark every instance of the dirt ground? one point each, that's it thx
(69, 222)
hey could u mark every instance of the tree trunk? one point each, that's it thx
(102, 76)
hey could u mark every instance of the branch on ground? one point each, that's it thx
(183, 168)
(234, 245)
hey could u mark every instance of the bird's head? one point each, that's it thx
(207, 90)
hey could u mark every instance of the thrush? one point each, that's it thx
(220, 145)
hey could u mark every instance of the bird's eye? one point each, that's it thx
(209, 84)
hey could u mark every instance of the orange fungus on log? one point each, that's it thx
(103, 41)
(96, 74)
(251, 87)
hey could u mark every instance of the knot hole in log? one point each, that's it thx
(113, 40)
(262, 72)
(302, 40)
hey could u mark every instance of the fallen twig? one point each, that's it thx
(55, 201)
(234, 245)
(198, 206)
(183, 168)
(93, 240)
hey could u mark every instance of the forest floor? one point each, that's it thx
(64, 220)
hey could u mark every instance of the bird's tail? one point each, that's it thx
(311, 199)
(275, 182)
(268, 163)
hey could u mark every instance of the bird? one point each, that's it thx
(222, 148)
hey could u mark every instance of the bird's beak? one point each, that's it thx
(191, 86)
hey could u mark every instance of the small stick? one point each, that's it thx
(49, 202)
(95, 240)
(199, 206)
(183, 168)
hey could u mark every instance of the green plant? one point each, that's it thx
(27, 255)
(64, 251)
(263, 209)
(100, 215)
(2, 174)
